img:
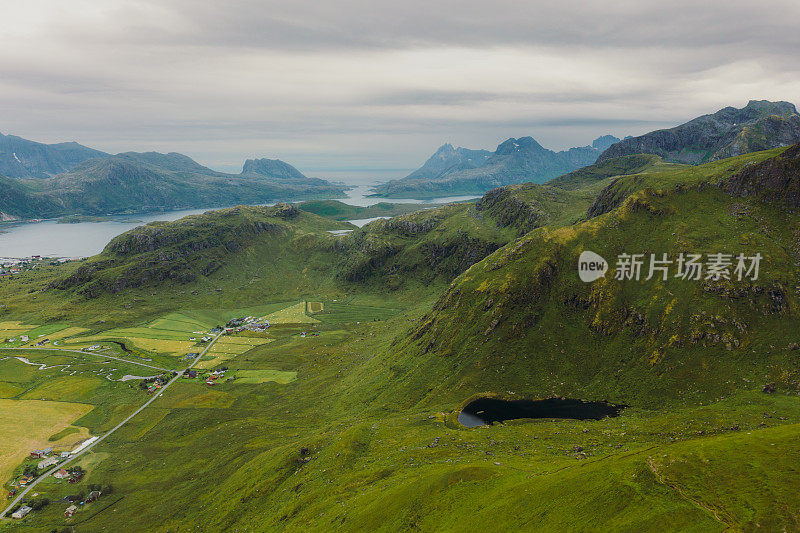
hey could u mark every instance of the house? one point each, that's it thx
(191, 374)
(76, 476)
(24, 480)
(61, 474)
(210, 382)
(64, 455)
(93, 496)
(38, 454)
(71, 510)
(24, 338)
(50, 461)
(22, 512)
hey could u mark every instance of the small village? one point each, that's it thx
(10, 266)
(40, 462)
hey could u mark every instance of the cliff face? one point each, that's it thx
(776, 179)
(760, 125)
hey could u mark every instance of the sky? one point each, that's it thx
(371, 87)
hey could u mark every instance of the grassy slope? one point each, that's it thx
(340, 211)
(700, 448)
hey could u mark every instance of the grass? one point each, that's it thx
(227, 348)
(294, 314)
(337, 210)
(263, 376)
(27, 425)
(365, 439)
(63, 433)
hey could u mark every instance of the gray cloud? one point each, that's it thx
(357, 83)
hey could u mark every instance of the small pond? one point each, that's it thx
(486, 411)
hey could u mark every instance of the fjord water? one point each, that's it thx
(83, 239)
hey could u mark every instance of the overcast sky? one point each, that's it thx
(369, 84)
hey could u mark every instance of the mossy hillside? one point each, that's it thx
(669, 177)
(423, 247)
(232, 258)
(364, 437)
(521, 320)
(337, 210)
(332, 450)
(618, 166)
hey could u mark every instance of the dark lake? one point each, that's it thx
(486, 411)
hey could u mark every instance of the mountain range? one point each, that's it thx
(760, 125)
(134, 182)
(21, 158)
(456, 171)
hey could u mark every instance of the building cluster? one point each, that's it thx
(47, 458)
(210, 378)
(247, 323)
(10, 266)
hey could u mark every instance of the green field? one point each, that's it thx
(263, 376)
(27, 424)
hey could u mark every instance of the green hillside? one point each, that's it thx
(133, 182)
(340, 211)
(345, 416)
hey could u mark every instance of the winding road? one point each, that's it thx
(88, 353)
(112, 430)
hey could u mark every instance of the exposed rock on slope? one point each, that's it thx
(776, 180)
(760, 125)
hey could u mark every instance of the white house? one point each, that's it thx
(50, 461)
(22, 512)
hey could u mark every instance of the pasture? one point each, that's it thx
(294, 314)
(263, 376)
(28, 424)
(229, 347)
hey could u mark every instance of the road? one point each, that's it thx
(88, 353)
(61, 465)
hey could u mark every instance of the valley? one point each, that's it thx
(297, 379)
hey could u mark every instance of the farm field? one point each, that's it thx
(53, 332)
(263, 376)
(168, 335)
(294, 314)
(27, 425)
(228, 347)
